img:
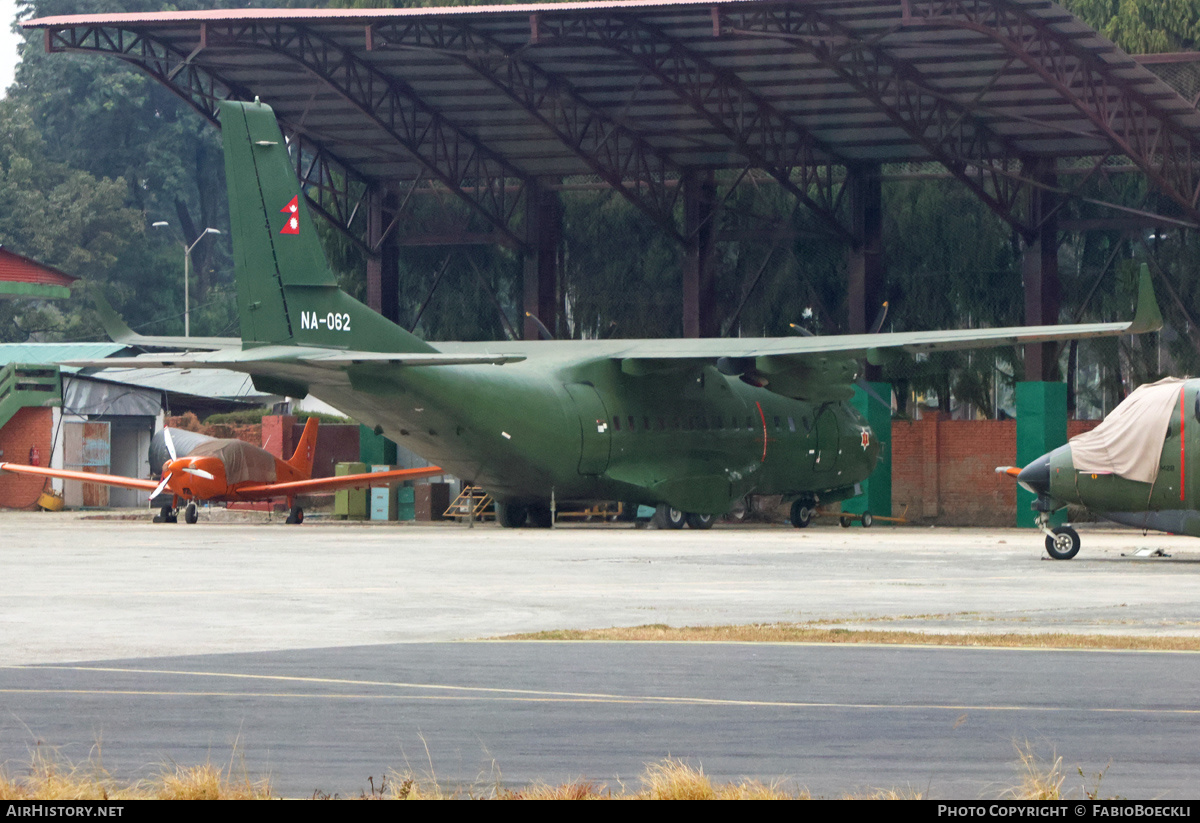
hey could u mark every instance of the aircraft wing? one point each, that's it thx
(86, 477)
(328, 485)
(816, 369)
(236, 358)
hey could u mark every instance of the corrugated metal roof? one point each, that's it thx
(608, 73)
(218, 383)
(55, 352)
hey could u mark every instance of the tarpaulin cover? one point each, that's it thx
(243, 461)
(1130, 440)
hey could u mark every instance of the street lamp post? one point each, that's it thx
(187, 267)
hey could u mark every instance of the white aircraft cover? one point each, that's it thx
(1130, 440)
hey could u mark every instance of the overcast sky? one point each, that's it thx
(8, 44)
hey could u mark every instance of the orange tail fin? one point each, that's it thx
(302, 460)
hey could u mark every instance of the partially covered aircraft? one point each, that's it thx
(1140, 467)
(689, 426)
(196, 467)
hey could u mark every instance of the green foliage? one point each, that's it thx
(1143, 26)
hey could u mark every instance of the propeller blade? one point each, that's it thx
(879, 318)
(161, 486)
(170, 444)
(541, 327)
(199, 473)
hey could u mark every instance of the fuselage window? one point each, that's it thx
(776, 422)
(632, 427)
(616, 422)
(791, 423)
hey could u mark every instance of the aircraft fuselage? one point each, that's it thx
(583, 430)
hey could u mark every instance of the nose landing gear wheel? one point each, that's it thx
(803, 512)
(191, 514)
(1064, 544)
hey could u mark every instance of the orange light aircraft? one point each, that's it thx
(221, 470)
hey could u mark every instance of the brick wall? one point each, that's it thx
(945, 470)
(31, 426)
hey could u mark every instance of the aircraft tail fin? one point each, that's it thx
(287, 295)
(302, 460)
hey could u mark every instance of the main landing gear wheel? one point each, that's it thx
(803, 512)
(295, 516)
(512, 515)
(166, 515)
(539, 516)
(700, 521)
(1064, 544)
(867, 520)
(666, 517)
(191, 514)
(845, 522)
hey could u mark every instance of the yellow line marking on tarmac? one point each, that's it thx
(552, 697)
(491, 694)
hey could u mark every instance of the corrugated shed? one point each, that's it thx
(56, 352)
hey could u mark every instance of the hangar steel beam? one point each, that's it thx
(467, 167)
(317, 168)
(763, 135)
(952, 134)
(616, 153)
(1039, 270)
(1165, 152)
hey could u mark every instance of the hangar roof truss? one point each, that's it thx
(484, 102)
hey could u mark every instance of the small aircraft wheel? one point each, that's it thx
(666, 517)
(867, 520)
(802, 513)
(1064, 544)
(165, 515)
(700, 521)
(845, 521)
(191, 514)
(295, 516)
(512, 515)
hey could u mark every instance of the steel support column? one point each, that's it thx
(543, 232)
(1039, 270)
(864, 264)
(699, 279)
(383, 265)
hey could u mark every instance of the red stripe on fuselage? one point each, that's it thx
(763, 417)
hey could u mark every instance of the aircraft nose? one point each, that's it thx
(1036, 476)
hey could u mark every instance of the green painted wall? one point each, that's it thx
(1041, 427)
(877, 497)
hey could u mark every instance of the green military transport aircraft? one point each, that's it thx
(1140, 467)
(689, 426)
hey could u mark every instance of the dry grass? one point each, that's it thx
(50, 777)
(1039, 780)
(809, 633)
